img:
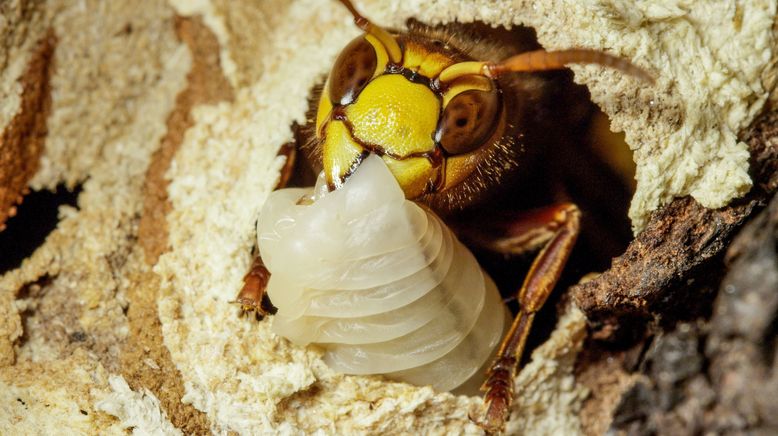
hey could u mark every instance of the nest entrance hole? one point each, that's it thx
(573, 156)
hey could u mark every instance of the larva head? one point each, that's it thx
(431, 112)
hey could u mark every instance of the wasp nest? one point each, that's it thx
(169, 118)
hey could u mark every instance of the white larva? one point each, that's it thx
(380, 283)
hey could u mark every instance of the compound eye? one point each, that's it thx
(354, 67)
(468, 120)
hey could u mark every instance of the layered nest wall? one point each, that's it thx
(164, 123)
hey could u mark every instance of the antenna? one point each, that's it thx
(387, 40)
(542, 60)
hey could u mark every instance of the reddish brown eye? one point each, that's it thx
(468, 121)
(353, 69)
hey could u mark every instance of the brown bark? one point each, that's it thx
(710, 278)
(718, 376)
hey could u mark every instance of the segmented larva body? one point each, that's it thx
(380, 283)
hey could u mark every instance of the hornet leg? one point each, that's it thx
(540, 281)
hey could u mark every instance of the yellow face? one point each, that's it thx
(430, 135)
